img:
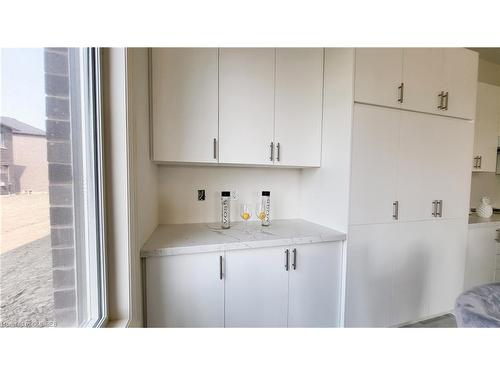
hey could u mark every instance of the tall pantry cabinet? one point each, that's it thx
(410, 183)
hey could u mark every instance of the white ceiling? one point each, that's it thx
(489, 54)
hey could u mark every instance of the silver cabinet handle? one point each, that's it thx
(272, 152)
(395, 210)
(446, 97)
(287, 259)
(434, 208)
(441, 96)
(220, 268)
(215, 148)
(401, 89)
(439, 205)
(278, 148)
(294, 261)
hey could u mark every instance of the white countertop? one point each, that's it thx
(175, 239)
(476, 220)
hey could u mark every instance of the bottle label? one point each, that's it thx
(267, 209)
(225, 213)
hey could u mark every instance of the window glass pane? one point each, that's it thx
(51, 263)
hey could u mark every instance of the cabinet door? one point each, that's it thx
(446, 274)
(430, 267)
(184, 291)
(246, 105)
(375, 138)
(315, 285)
(185, 104)
(423, 79)
(481, 254)
(486, 126)
(256, 288)
(417, 168)
(299, 105)
(453, 150)
(370, 271)
(460, 81)
(434, 165)
(412, 263)
(378, 76)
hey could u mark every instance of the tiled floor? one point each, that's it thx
(443, 321)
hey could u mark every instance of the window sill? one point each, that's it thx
(117, 323)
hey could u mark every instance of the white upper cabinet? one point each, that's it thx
(246, 105)
(460, 81)
(185, 104)
(252, 106)
(486, 128)
(423, 71)
(299, 96)
(375, 142)
(379, 76)
(431, 80)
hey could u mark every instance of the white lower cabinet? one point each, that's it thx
(315, 280)
(297, 286)
(256, 288)
(370, 271)
(481, 264)
(402, 272)
(184, 291)
(429, 268)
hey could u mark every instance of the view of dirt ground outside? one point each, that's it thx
(26, 266)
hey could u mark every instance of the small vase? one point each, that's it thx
(484, 209)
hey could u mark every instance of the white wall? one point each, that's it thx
(489, 72)
(178, 191)
(325, 191)
(117, 184)
(143, 173)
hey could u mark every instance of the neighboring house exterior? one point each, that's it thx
(23, 158)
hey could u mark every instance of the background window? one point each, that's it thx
(52, 253)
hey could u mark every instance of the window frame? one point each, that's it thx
(89, 200)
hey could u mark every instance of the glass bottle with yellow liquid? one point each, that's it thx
(264, 207)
